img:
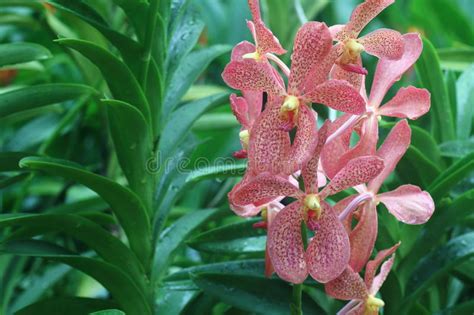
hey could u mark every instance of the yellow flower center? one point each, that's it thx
(290, 104)
(312, 203)
(255, 55)
(352, 50)
(373, 304)
(244, 136)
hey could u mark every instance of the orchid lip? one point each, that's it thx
(290, 104)
(373, 304)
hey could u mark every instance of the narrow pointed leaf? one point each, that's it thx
(15, 53)
(40, 95)
(66, 305)
(124, 203)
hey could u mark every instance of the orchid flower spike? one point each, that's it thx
(382, 43)
(328, 252)
(362, 293)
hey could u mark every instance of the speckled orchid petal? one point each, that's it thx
(262, 189)
(367, 143)
(384, 44)
(310, 172)
(361, 16)
(242, 49)
(335, 29)
(374, 264)
(285, 244)
(363, 237)
(356, 172)
(390, 71)
(348, 286)
(313, 43)
(255, 104)
(272, 210)
(251, 75)
(382, 276)
(339, 95)
(242, 210)
(339, 208)
(265, 40)
(354, 78)
(391, 151)
(337, 146)
(268, 144)
(410, 102)
(306, 139)
(328, 252)
(240, 109)
(409, 204)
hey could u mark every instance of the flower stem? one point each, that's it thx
(295, 306)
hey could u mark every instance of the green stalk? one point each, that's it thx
(295, 306)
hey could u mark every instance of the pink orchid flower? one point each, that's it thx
(328, 252)
(382, 43)
(350, 286)
(307, 81)
(408, 203)
(410, 102)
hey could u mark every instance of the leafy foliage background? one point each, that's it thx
(62, 227)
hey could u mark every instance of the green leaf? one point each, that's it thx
(262, 296)
(181, 120)
(125, 204)
(136, 10)
(174, 237)
(184, 38)
(15, 53)
(9, 161)
(461, 309)
(120, 79)
(172, 299)
(465, 103)
(11, 180)
(93, 235)
(248, 267)
(457, 148)
(188, 71)
(66, 305)
(217, 171)
(457, 59)
(108, 312)
(451, 176)
(430, 74)
(128, 48)
(134, 149)
(119, 284)
(237, 238)
(437, 264)
(40, 95)
(415, 163)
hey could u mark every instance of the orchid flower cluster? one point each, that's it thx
(290, 157)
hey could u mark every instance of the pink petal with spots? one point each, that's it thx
(409, 204)
(285, 244)
(384, 44)
(363, 237)
(305, 141)
(320, 72)
(348, 286)
(361, 16)
(240, 109)
(373, 265)
(311, 170)
(328, 252)
(355, 79)
(356, 172)
(337, 146)
(334, 29)
(245, 210)
(262, 189)
(382, 276)
(268, 145)
(338, 95)
(251, 75)
(367, 143)
(339, 208)
(391, 151)
(390, 71)
(242, 49)
(255, 103)
(409, 102)
(313, 43)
